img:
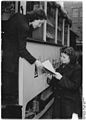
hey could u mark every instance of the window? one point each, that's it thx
(32, 6)
(75, 12)
(8, 9)
(65, 35)
(50, 35)
(80, 12)
(59, 30)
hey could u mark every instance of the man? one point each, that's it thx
(14, 46)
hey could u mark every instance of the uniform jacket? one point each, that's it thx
(14, 42)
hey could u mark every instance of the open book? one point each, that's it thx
(48, 66)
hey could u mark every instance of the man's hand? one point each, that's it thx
(39, 64)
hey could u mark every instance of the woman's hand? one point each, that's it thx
(57, 75)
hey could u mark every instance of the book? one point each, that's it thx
(48, 66)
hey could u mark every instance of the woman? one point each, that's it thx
(66, 85)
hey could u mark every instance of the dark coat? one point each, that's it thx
(67, 95)
(14, 46)
(14, 43)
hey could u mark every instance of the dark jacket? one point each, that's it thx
(14, 43)
(67, 94)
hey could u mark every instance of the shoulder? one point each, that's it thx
(74, 66)
(18, 16)
(77, 67)
(20, 19)
(77, 70)
(15, 17)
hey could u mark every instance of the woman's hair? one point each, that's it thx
(36, 14)
(71, 53)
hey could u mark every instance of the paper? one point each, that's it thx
(74, 116)
(47, 65)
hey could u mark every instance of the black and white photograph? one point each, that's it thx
(42, 60)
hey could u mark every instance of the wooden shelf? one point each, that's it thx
(45, 98)
(44, 110)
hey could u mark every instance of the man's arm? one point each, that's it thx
(22, 35)
(23, 31)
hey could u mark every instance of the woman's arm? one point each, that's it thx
(73, 82)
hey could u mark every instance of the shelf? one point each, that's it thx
(44, 110)
(45, 98)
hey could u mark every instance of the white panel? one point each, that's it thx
(33, 86)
